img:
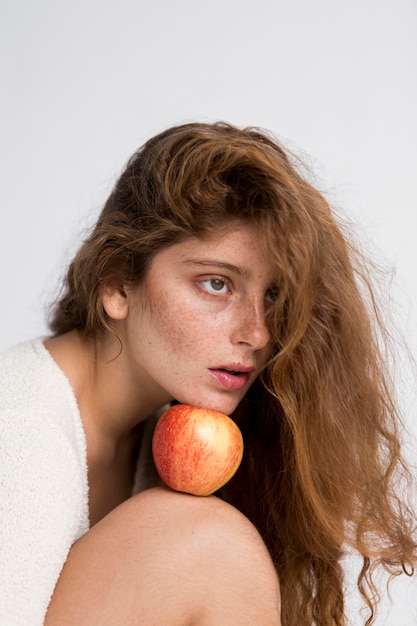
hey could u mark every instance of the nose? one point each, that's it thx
(251, 328)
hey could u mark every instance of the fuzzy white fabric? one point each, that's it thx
(43, 480)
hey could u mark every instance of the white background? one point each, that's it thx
(85, 82)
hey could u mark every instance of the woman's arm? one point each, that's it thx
(168, 558)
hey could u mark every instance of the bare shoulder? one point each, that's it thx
(166, 557)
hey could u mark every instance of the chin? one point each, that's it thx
(222, 405)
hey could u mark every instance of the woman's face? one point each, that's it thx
(195, 330)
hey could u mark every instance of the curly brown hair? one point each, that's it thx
(322, 454)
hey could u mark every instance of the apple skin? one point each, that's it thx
(196, 450)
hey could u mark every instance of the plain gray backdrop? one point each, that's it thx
(84, 83)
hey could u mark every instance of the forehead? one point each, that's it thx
(236, 244)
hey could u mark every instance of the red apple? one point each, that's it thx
(196, 450)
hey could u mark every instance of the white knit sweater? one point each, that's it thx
(43, 481)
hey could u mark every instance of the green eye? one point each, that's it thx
(217, 284)
(271, 296)
(214, 285)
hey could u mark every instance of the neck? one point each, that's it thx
(112, 398)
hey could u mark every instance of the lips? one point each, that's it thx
(232, 377)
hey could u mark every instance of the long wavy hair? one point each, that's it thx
(322, 454)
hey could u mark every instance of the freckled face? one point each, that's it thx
(195, 331)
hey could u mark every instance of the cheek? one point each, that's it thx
(173, 323)
(183, 325)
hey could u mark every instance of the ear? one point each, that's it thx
(115, 301)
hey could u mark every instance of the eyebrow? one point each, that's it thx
(241, 271)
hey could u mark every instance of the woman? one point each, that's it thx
(216, 276)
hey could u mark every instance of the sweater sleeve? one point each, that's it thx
(41, 514)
